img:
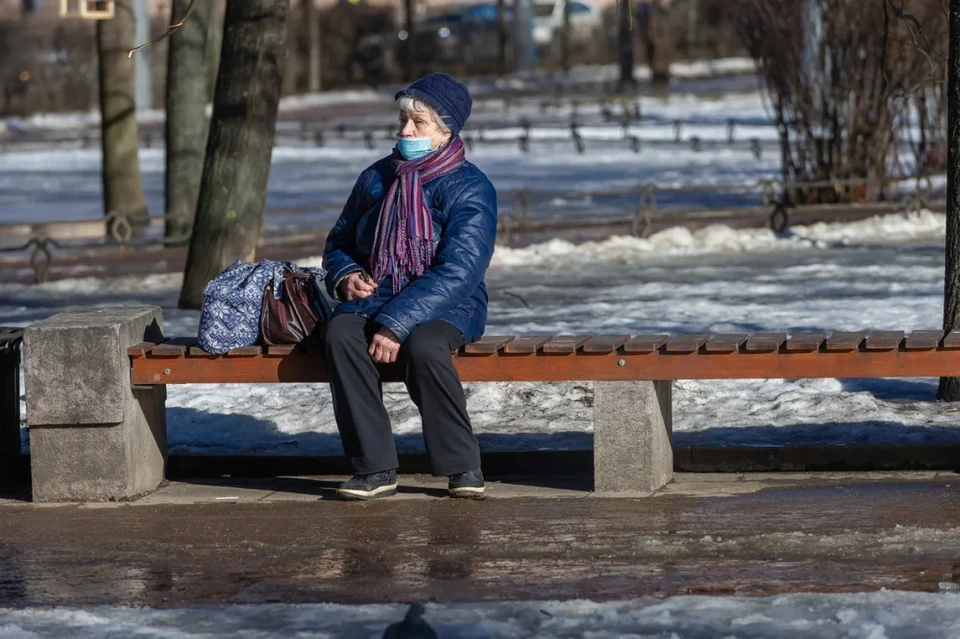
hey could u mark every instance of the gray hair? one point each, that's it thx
(408, 103)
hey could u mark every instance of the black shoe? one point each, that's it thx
(373, 486)
(466, 485)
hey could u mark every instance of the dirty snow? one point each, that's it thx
(877, 615)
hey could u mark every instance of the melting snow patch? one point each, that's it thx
(716, 238)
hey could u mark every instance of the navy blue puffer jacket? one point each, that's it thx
(463, 205)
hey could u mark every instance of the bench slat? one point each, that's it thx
(487, 345)
(645, 343)
(140, 349)
(167, 351)
(244, 351)
(952, 341)
(605, 343)
(685, 343)
(526, 344)
(565, 344)
(765, 342)
(176, 347)
(196, 351)
(922, 340)
(844, 342)
(280, 350)
(724, 343)
(804, 342)
(612, 366)
(883, 341)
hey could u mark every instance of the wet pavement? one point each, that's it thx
(286, 540)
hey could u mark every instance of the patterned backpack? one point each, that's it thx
(233, 302)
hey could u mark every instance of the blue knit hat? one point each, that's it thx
(451, 99)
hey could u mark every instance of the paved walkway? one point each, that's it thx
(285, 540)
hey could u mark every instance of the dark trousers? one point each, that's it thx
(430, 377)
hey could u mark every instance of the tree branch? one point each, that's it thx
(927, 48)
(166, 34)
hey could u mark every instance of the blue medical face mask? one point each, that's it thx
(413, 148)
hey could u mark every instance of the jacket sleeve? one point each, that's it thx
(340, 241)
(463, 255)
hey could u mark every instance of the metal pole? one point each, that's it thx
(143, 92)
(502, 37)
(408, 62)
(949, 389)
(693, 17)
(313, 47)
(525, 53)
(625, 36)
(812, 41)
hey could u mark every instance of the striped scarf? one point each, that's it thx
(403, 244)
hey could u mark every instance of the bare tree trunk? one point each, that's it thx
(186, 123)
(119, 137)
(214, 45)
(649, 43)
(950, 386)
(234, 183)
(565, 37)
(661, 47)
(693, 18)
(922, 151)
(313, 47)
(292, 63)
(625, 16)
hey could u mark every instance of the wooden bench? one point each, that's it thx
(589, 358)
(632, 424)
(632, 378)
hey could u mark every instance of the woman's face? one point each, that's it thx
(420, 124)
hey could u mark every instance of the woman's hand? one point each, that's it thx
(355, 286)
(384, 346)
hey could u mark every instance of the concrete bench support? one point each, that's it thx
(93, 436)
(633, 424)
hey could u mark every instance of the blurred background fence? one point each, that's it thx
(48, 64)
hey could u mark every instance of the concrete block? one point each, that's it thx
(631, 437)
(74, 370)
(92, 435)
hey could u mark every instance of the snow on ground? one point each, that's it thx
(679, 240)
(480, 86)
(744, 108)
(878, 615)
(86, 119)
(308, 186)
(594, 74)
(823, 277)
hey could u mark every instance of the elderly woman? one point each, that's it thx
(406, 259)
